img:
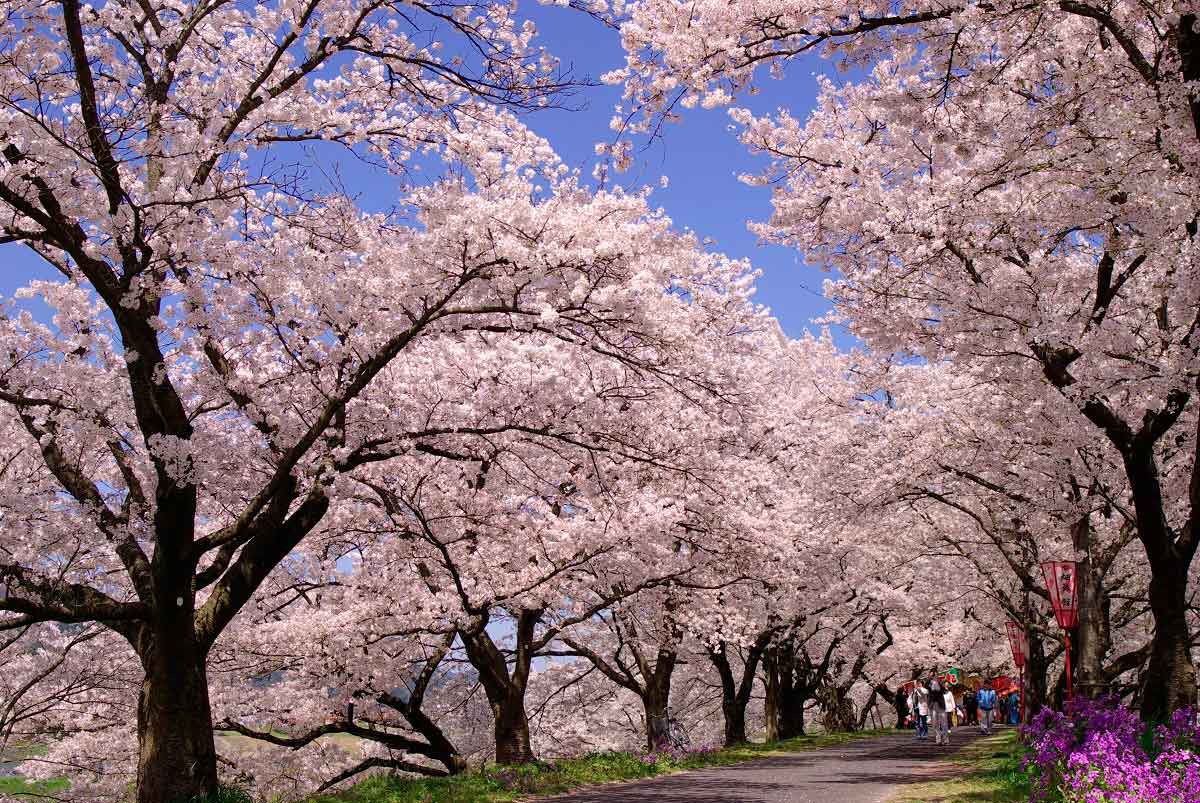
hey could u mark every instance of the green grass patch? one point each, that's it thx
(494, 784)
(991, 774)
(11, 785)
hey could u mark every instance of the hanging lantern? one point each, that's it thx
(1064, 598)
(1019, 643)
(1018, 640)
(1061, 583)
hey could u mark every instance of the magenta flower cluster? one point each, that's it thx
(1100, 752)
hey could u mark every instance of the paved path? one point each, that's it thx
(867, 771)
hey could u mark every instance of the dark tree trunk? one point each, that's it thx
(442, 749)
(656, 697)
(1036, 667)
(735, 696)
(1090, 639)
(735, 722)
(1170, 679)
(771, 698)
(786, 694)
(657, 722)
(512, 731)
(1188, 42)
(177, 760)
(791, 720)
(505, 689)
(1169, 683)
(734, 714)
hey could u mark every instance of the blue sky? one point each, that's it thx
(700, 156)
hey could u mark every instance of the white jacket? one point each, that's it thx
(920, 702)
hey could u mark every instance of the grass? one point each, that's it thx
(16, 786)
(494, 784)
(991, 774)
(12, 785)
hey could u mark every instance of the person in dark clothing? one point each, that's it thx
(900, 701)
(970, 707)
(937, 711)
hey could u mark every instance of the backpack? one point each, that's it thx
(987, 699)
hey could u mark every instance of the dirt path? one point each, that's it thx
(867, 771)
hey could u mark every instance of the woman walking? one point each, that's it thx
(937, 711)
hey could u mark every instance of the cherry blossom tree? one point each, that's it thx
(234, 338)
(1011, 187)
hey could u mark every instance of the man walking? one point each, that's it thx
(987, 707)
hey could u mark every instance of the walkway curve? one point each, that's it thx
(866, 771)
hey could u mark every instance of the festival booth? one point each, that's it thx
(1003, 685)
(952, 676)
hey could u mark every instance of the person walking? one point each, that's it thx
(902, 706)
(987, 707)
(970, 707)
(920, 707)
(937, 711)
(951, 709)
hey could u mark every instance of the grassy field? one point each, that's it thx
(10, 785)
(495, 784)
(15, 786)
(991, 774)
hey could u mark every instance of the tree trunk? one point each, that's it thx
(512, 731)
(177, 760)
(1036, 668)
(733, 699)
(1188, 42)
(1088, 640)
(771, 698)
(656, 698)
(794, 718)
(1091, 639)
(505, 690)
(657, 723)
(441, 748)
(791, 708)
(1170, 680)
(735, 722)
(785, 701)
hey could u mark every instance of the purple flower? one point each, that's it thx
(1094, 754)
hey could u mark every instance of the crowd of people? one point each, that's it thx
(932, 704)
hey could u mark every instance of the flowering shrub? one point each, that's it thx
(1100, 752)
(676, 755)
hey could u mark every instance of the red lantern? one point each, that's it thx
(1061, 583)
(1019, 641)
